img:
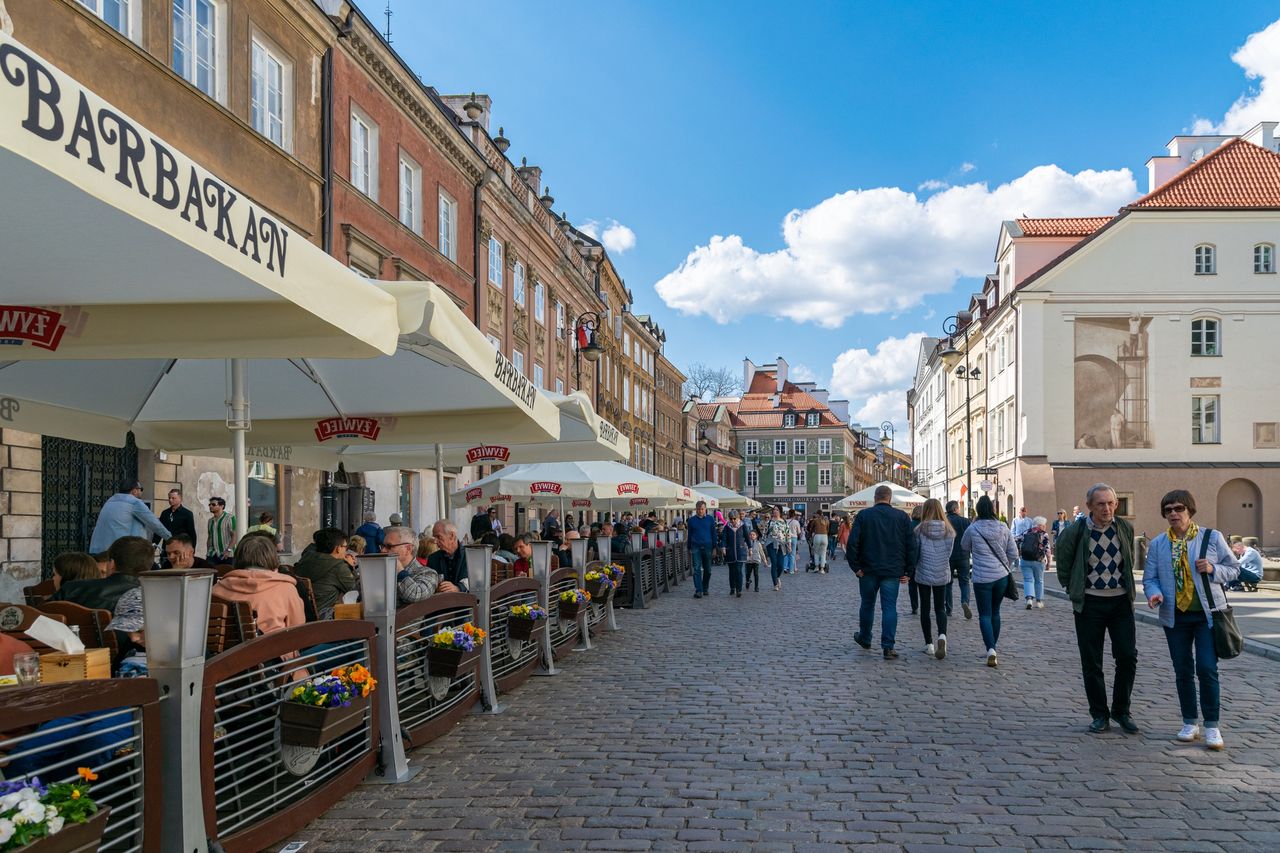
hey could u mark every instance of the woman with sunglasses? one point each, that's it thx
(1173, 580)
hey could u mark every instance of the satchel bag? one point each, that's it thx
(1011, 588)
(1228, 642)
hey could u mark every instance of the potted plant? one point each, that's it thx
(452, 648)
(599, 582)
(571, 600)
(522, 618)
(326, 707)
(35, 818)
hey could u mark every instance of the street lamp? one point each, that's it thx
(584, 333)
(704, 443)
(959, 323)
(886, 435)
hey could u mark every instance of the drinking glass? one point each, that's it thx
(27, 668)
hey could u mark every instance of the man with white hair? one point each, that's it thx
(414, 582)
(449, 560)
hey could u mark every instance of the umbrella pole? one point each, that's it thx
(444, 512)
(238, 423)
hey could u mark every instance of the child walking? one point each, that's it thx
(755, 556)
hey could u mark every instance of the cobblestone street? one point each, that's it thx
(757, 724)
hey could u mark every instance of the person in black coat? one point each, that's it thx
(733, 542)
(959, 560)
(882, 552)
(178, 519)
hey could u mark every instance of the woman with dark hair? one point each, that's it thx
(933, 572)
(74, 566)
(989, 544)
(1184, 574)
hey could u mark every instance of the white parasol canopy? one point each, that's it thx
(727, 498)
(903, 498)
(547, 483)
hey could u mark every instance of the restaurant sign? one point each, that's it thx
(544, 488)
(628, 488)
(330, 428)
(488, 453)
(41, 327)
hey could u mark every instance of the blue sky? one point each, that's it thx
(689, 121)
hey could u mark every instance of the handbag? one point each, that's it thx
(1228, 642)
(1011, 588)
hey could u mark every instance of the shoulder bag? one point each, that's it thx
(1011, 588)
(1228, 642)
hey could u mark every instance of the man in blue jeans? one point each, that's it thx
(882, 552)
(702, 539)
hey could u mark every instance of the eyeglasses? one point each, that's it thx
(390, 545)
(1178, 508)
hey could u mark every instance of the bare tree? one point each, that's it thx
(707, 383)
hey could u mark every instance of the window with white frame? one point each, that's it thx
(1204, 420)
(751, 447)
(1206, 259)
(811, 419)
(540, 303)
(118, 14)
(364, 154)
(1204, 337)
(626, 393)
(410, 193)
(824, 478)
(559, 386)
(559, 319)
(495, 262)
(517, 284)
(779, 478)
(517, 361)
(824, 447)
(270, 88)
(798, 447)
(753, 478)
(197, 44)
(448, 226)
(789, 419)
(798, 478)
(780, 447)
(537, 375)
(1264, 258)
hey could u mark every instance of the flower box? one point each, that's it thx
(72, 838)
(310, 725)
(520, 629)
(445, 663)
(569, 610)
(599, 588)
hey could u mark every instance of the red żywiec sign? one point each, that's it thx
(474, 494)
(628, 488)
(488, 453)
(639, 501)
(580, 502)
(41, 327)
(544, 488)
(348, 428)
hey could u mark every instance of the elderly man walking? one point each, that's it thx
(882, 553)
(1095, 564)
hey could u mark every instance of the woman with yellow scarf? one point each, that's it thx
(1172, 581)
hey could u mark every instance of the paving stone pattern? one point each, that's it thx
(756, 724)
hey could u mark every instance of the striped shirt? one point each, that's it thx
(222, 535)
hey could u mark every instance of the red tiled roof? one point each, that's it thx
(1076, 226)
(758, 399)
(1237, 175)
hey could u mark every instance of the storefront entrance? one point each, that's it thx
(77, 478)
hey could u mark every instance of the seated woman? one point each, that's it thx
(255, 578)
(74, 566)
(506, 548)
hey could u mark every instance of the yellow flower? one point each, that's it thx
(75, 793)
(86, 774)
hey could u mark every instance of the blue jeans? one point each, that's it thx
(701, 556)
(1191, 648)
(988, 597)
(775, 562)
(1032, 579)
(887, 588)
(961, 570)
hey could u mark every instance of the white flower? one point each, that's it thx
(30, 811)
(55, 824)
(50, 812)
(10, 801)
(6, 830)
(28, 794)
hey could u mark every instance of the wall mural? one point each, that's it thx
(1111, 390)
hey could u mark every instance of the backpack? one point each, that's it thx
(1029, 548)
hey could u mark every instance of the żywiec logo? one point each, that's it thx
(488, 453)
(686, 492)
(577, 503)
(628, 488)
(544, 488)
(497, 499)
(348, 428)
(639, 501)
(474, 494)
(41, 327)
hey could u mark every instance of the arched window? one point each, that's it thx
(1264, 258)
(1205, 339)
(1206, 260)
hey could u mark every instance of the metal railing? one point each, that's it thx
(511, 670)
(562, 631)
(423, 716)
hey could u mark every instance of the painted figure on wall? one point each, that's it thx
(1111, 394)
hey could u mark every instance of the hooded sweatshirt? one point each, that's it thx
(273, 597)
(933, 567)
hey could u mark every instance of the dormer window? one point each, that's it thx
(1264, 255)
(811, 419)
(1206, 260)
(789, 419)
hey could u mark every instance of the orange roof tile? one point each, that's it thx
(1076, 226)
(1237, 175)
(759, 399)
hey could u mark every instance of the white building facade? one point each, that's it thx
(928, 414)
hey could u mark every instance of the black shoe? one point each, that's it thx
(890, 654)
(739, 593)
(968, 614)
(1127, 724)
(864, 643)
(1099, 725)
(913, 613)
(697, 595)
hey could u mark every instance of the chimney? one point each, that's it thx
(471, 107)
(781, 372)
(748, 373)
(840, 408)
(820, 394)
(1262, 134)
(1183, 151)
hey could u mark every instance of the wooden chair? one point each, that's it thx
(500, 571)
(240, 622)
(306, 591)
(92, 624)
(38, 593)
(216, 640)
(19, 630)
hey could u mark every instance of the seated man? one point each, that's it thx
(449, 561)
(414, 582)
(1250, 567)
(129, 556)
(524, 556)
(180, 553)
(326, 566)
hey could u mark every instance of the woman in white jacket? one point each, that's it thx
(933, 572)
(1173, 579)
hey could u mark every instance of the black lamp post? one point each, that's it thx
(886, 436)
(959, 323)
(585, 345)
(704, 443)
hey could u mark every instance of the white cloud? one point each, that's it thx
(876, 383)
(966, 167)
(1259, 56)
(878, 250)
(801, 373)
(616, 237)
(933, 184)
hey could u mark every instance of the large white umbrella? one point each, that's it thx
(550, 482)
(727, 498)
(902, 498)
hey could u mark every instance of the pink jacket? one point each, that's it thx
(273, 596)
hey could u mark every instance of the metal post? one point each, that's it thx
(378, 598)
(541, 564)
(239, 423)
(578, 547)
(968, 431)
(178, 601)
(480, 584)
(584, 630)
(440, 495)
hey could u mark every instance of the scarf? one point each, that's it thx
(1182, 567)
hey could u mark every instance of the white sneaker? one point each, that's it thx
(940, 650)
(1040, 603)
(1189, 733)
(1213, 738)
(1031, 602)
(991, 658)
(928, 650)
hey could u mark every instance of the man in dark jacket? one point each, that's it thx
(449, 560)
(325, 565)
(882, 552)
(177, 519)
(959, 560)
(481, 523)
(129, 556)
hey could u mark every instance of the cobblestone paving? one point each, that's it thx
(755, 724)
